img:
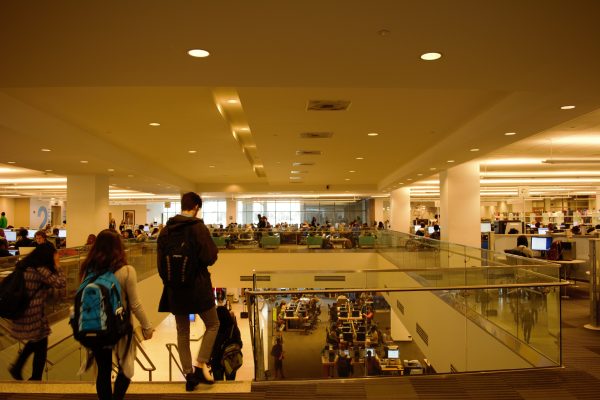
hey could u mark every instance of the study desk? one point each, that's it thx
(565, 267)
(392, 369)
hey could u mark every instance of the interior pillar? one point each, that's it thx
(400, 210)
(459, 205)
(231, 211)
(87, 212)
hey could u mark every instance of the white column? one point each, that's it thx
(459, 205)
(378, 215)
(231, 211)
(597, 206)
(87, 211)
(400, 210)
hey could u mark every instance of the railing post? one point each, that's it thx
(594, 285)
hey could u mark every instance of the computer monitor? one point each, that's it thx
(541, 243)
(372, 350)
(289, 313)
(430, 230)
(62, 233)
(513, 225)
(346, 329)
(343, 314)
(486, 227)
(31, 233)
(146, 228)
(393, 353)
(11, 236)
(13, 252)
(355, 313)
(346, 352)
(361, 336)
(542, 231)
(417, 227)
(347, 336)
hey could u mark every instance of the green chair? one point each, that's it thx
(366, 242)
(219, 242)
(269, 242)
(314, 241)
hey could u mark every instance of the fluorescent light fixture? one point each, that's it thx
(130, 176)
(576, 139)
(8, 181)
(450, 161)
(507, 174)
(192, 151)
(432, 168)
(83, 161)
(373, 134)
(211, 166)
(48, 170)
(510, 133)
(347, 179)
(539, 180)
(198, 53)
(352, 171)
(474, 149)
(431, 56)
(111, 170)
(567, 107)
(232, 101)
(35, 187)
(360, 158)
(11, 162)
(513, 161)
(46, 150)
(154, 124)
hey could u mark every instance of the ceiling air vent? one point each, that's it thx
(316, 135)
(327, 105)
(308, 152)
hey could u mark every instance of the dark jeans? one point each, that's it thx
(103, 358)
(40, 352)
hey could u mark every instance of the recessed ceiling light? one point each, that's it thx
(419, 174)
(83, 161)
(130, 176)
(11, 162)
(352, 170)
(244, 130)
(431, 56)
(409, 179)
(360, 158)
(192, 151)
(295, 177)
(232, 101)
(450, 161)
(432, 168)
(211, 166)
(46, 150)
(111, 170)
(510, 133)
(347, 179)
(373, 134)
(199, 53)
(567, 107)
(154, 124)
(48, 170)
(474, 149)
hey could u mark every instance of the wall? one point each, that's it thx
(39, 213)
(117, 213)
(8, 206)
(21, 213)
(154, 212)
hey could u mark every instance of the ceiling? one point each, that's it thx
(85, 80)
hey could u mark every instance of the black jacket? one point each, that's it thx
(198, 298)
(227, 322)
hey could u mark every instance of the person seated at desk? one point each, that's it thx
(40, 238)
(374, 336)
(372, 364)
(343, 364)
(333, 338)
(369, 315)
(4, 248)
(23, 240)
(522, 244)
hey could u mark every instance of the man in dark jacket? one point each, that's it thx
(196, 298)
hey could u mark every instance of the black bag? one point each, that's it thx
(178, 258)
(232, 358)
(14, 299)
(244, 312)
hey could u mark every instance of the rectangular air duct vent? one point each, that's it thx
(316, 135)
(328, 105)
(303, 164)
(308, 152)
(330, 278)
(400, 306)
(422, 334)
(248, 278)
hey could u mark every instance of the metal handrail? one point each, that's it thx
(171, 359)
(152, 367)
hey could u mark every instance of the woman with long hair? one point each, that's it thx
(42, 271)
(108, 254)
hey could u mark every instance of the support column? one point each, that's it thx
(400, 210)
(87, 211)
(378, 212)
(459, 205)
(231, 211)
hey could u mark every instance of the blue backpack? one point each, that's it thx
(99, 318)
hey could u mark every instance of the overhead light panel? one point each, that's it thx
(198, 53)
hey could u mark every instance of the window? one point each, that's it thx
(214, 212)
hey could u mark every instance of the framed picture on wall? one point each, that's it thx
(129, 217)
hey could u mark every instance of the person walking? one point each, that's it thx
(3, 220)
(278, 354)
(196, 298)
(108, 254)
(41, 271)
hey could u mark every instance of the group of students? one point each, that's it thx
(42, 271)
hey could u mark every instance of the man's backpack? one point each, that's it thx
(99, 317)
(178, 258)
(232, 358)
(14, 299)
